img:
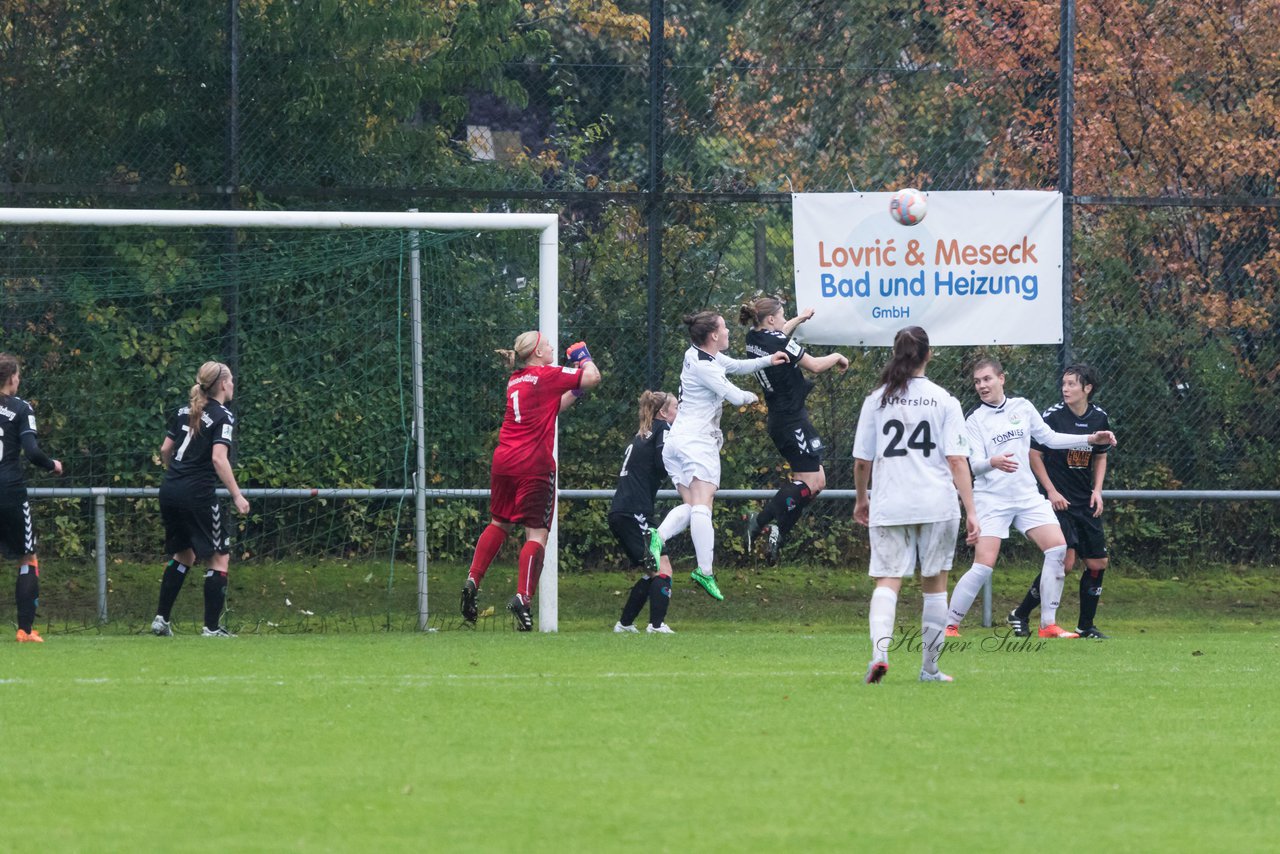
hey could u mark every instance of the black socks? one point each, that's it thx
(170, 585)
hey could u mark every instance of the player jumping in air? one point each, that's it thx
(522, 480)
(785, 389)
(692, 450)
(1000, 432)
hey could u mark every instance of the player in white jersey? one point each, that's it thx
(1000, 434)
(691, 452)
(912, 446)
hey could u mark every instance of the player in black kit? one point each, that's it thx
(196, 454)
(631, 515)
(1072, 481)
(785, 389)
(17, 531)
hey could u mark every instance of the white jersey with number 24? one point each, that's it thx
(907, 442)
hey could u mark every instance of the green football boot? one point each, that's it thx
(707, 583)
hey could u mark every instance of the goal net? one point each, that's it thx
(362, 348)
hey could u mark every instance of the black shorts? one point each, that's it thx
(799, 444)
(632, 532)
(17, 531)
(1083, 532)
(198, 528)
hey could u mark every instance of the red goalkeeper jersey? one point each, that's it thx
(528, 428)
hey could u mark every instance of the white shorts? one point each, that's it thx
(687, 457)
(895, 548)
(995, 523)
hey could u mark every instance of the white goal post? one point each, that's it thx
(547, 226)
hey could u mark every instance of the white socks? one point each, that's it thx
(967, 589)
(884, 607)
(932, 622)
(704, 537)
(674, 522)
(1053, 575)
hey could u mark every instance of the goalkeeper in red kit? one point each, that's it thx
(522, 480)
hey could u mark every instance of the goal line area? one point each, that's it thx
(362, 348)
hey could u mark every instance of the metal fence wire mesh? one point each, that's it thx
(554, 106)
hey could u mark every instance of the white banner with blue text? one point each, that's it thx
(981, 268)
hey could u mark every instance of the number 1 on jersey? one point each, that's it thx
(515, 404)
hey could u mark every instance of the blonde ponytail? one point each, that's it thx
(523, 348)
(651, 403)
(207, 378)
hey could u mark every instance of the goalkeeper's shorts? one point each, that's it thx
(523, 499)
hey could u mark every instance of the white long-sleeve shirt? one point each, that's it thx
(1008, 429)
(704, 388)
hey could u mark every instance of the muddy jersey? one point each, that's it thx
(908, 440)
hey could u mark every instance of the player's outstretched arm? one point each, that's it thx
(731, 365)
(792, 324)
(818, 364)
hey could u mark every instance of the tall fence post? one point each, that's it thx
(100, 529)
(657, 87)
(1066, 169)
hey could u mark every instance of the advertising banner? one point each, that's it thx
(980, 268)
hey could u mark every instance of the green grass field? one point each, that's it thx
(735, 734)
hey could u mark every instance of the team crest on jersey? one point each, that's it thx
(1013, 419)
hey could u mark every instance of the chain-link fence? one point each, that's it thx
(673, 181)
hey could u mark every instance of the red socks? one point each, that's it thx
(530, 569)
(491, 539)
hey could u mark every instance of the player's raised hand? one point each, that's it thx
(1102, 437)
(804, 315)
(578, 353)
(842, 362)
(779, 358)
(1004, 462)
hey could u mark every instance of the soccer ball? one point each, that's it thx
(908, 206)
